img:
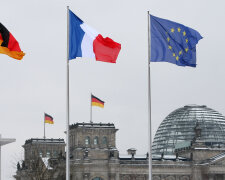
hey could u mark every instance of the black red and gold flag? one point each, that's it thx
(48, 119)
(9, 45)
(97, 102)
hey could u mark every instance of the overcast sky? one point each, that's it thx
(37, 84)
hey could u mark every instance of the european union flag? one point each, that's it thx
(173, 42)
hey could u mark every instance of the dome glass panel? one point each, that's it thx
(179, 127)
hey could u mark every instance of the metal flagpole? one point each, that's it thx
(149, 102)
(91, 111)
(67, 106)
(44, 125)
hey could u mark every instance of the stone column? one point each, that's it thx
(163, 177)
(196, 173)
(112, 176)
(210, 177)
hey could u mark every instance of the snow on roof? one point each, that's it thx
(37, 140)
(140, 156)
(169, 156)
(202, 148)
(125, 156)
(93, 125)
(45, 161)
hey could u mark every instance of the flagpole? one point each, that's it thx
(44, 125)
(67, 105)
(91, 110)
(149, 102)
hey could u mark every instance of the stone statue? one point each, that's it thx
(18, 166)
(23, 165)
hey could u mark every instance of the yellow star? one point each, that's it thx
(186, 49)
(177, 58)
(184, 33)
(174, 54)
(172, 30)
(178, 29)
(168, 39)
(170, 47)
(186, 40)
(180, 52)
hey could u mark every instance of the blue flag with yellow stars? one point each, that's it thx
(173, 42)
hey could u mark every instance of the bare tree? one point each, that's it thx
(41, 168)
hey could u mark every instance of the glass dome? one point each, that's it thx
(178, 127)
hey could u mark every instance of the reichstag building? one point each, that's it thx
(188, 145)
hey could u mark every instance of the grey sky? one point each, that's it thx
(37, 84)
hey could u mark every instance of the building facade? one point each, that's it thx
(95, 155)
(49, 148)
(37, 155)
(188, 145)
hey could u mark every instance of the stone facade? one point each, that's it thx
(43, 147)
(36, 164)
(94, 156)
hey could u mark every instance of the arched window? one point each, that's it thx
(73, 140)
(40, 154)
(48, 154)
(104, 140)
(87, 140)
(70, 139)
(55, 153)
(96, 140)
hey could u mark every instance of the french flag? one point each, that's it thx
(84, 41)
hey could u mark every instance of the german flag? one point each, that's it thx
(9, 45)
(48, 119)
(97, 102)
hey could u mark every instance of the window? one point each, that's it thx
(40, 154)
(87, 140)
(48, 154)
(33, 153)
(97, 178)
(73, 140)
(96, 140)
(104, 140)
(55, 153)
(70, 139)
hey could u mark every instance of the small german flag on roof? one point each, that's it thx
(9, 45)
(97, 102)
(48, 119)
